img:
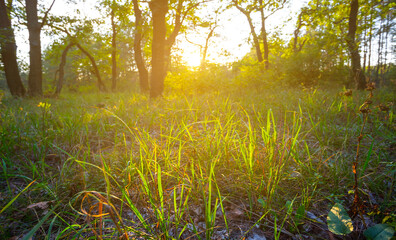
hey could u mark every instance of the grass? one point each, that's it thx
(218, 164)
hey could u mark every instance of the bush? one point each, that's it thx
(312, 67)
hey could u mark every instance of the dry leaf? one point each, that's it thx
(235, 213)
(41, 205)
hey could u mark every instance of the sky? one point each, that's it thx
(230, 44)
(234, 34)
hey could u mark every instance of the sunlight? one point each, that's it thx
(191, 55)
(197, 119)
(192, 59)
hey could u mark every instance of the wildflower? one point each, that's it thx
(44, 105)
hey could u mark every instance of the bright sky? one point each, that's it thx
(231, 36)
(234, 33)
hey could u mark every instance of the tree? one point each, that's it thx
(35, 80)
(113, 49)
(212, 26)
(208, 24)
(296, 33)
(159, 8)
(247, 12)
(35, 70)
(137, 46)
(62, 64)
(162, 43)
(8, 53)
(357, 75)
(271, 6)
(181, 11)
(75, 39)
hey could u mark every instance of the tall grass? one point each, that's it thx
(124, 166)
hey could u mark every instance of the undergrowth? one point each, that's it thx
(215, 165)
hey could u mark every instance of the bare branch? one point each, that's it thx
(46, 14)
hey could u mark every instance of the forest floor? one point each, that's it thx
(243, 164)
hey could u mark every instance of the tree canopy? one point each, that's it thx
(117, 42)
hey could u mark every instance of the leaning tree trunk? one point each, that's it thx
(296, 33)
(8, 54)
(253, 32)
(143, 73)
(264, 36)
(101, 85)
(113, 54)
(62, 64)
(159, 8)
(205, 49)
(356, 75)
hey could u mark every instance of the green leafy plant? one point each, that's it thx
(338, 220)
(379, 232)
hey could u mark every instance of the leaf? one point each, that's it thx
(262, 202)
(338, 220)
(204, 24)
(379, 232)
(42, 205)
(235, 214)
(300, 214)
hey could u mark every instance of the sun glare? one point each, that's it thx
(192, 60)
(191, 56)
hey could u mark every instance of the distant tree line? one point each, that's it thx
(329, 37)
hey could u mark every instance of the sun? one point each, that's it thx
(191, 57)
(192, 60)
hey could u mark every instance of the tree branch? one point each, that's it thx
(46, 14)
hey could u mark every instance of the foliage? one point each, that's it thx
(313, 67)
(338, 220)
(379, 231)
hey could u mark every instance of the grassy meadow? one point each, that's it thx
(232, 164)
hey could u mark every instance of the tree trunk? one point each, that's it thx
(364, 46)
(377, 78)
(264, 35)
(356, 74)
(8, 54)
(101, 85)
(172, 36)
(205, 49)
(62, 64)
(253, 32)
(266, 49)
(369, 51)
(388, 28)
(143, 73)
(297, 31)
(113, 53)
(35, 70)
(159, 8)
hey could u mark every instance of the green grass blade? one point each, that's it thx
(16, 197)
